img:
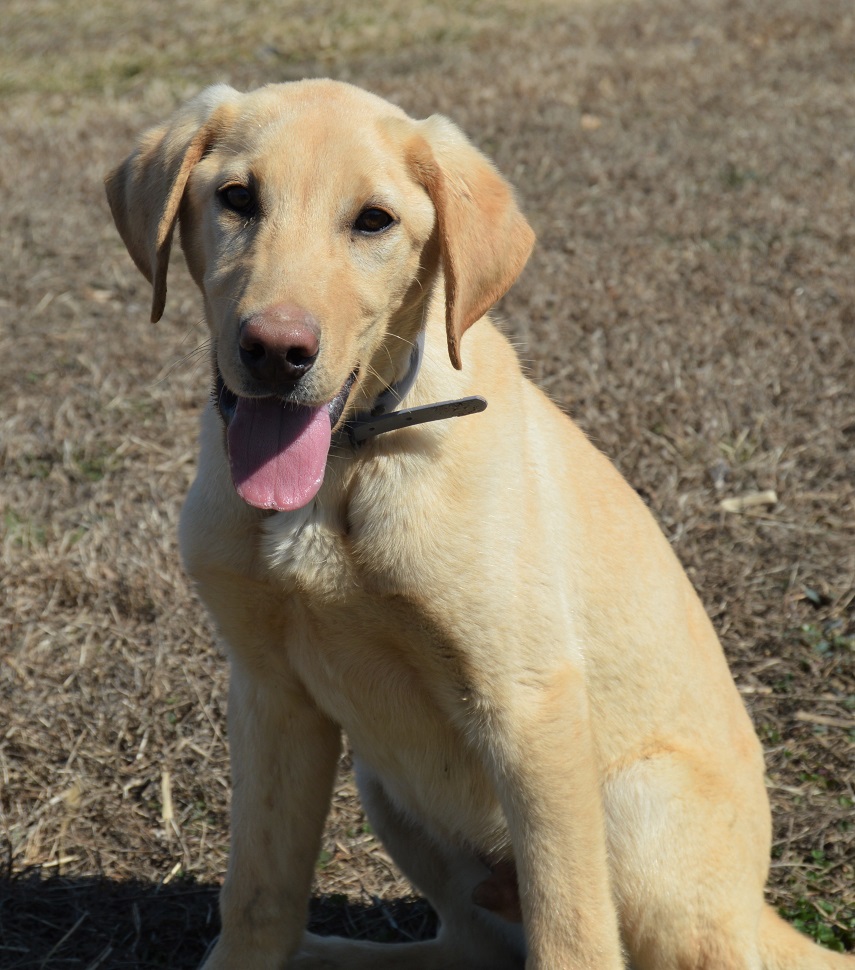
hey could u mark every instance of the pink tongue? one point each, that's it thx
(278, 452)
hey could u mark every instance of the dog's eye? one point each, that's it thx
(371, 221)
(238, 198)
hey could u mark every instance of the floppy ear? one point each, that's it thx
(484, 239)
(145, 191)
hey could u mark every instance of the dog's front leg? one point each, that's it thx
(283, 754)
(542, 753)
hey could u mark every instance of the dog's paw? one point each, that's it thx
(320, 953)
(222, 957)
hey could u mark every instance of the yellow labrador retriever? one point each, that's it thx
(547, 736)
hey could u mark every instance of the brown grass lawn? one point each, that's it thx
(689, 167)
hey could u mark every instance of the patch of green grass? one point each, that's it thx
(820, 914)
(783, 685)
(735, 178)
(741, 449)
(812, 917)
(74, 536)
(827, 638)
(118, 47)
(36, 466)
(93, 469)
(94, 466)
(24, 533)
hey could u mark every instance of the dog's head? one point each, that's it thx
(316, 219)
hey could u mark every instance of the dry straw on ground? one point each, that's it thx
(689, 167)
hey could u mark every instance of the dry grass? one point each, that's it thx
(689, 168)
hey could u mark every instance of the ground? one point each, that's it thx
(689, 169)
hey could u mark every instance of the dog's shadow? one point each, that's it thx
(53, 922)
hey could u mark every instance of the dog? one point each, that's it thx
(546, 734)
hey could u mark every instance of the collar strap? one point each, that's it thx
(361, 429)
(384, 416)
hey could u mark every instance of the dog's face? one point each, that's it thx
(303, 228)
(315, 218)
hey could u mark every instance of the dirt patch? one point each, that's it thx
(689, 170)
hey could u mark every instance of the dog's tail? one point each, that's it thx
(784, 948)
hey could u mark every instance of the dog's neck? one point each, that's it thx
(387, 415)
(393, 396)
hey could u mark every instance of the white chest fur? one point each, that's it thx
(308, 549)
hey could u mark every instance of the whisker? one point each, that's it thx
(196, 356)
(372, 372)
(397, 336)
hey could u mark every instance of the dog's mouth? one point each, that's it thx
(278, 450)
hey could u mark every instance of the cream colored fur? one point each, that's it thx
(482, 605)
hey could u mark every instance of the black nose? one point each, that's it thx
(279, 345)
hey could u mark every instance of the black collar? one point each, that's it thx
(385, 415)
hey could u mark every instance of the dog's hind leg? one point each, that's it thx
(688, 864)
(469, 937)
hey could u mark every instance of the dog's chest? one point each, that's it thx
(365, 616)
(308, 550)
(367, 533)
(384, 683)
(366, 643)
